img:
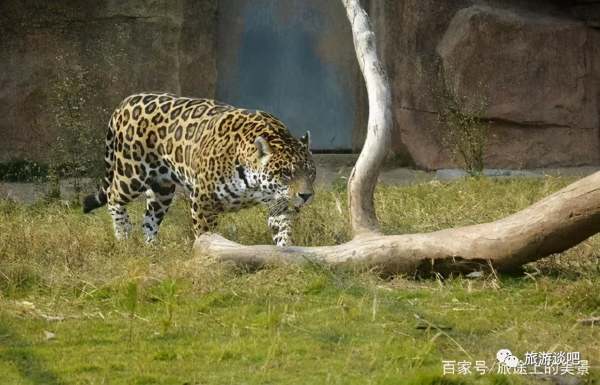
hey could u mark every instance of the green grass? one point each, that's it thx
(137, 314)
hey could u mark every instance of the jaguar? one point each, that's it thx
(225, 158)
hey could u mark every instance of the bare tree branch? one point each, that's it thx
(363, 178)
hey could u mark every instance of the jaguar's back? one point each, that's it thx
(221, 154)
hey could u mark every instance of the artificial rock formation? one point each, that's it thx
(102, 50)
(536, 63)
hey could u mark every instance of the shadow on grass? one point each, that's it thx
(18, 352)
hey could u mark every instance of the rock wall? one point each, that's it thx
(535, 62)
(103, 51)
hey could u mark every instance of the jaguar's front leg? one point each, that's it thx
(204, 216)
(281, 227)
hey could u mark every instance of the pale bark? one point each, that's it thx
(554, 224)
(363, 178)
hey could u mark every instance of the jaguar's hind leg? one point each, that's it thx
(117, 199)
(158, 200)
(120, 218)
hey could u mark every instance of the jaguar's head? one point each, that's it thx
(288, 172)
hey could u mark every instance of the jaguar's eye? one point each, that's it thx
(286, 174)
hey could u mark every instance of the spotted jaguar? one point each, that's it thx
(225, 158)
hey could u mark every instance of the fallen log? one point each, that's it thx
(552, 225)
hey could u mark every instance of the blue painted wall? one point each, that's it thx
(294, 59)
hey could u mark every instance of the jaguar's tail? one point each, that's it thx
(99, 198)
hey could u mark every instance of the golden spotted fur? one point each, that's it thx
(225, 157)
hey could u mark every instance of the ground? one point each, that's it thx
(77, 307)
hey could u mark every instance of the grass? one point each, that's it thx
(77, 307)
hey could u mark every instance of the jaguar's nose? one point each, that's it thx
(305, 196)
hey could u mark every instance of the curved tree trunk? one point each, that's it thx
(362, 181)
(554, 224)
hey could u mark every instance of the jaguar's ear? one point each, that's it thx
(263, 147)
(306, 139)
